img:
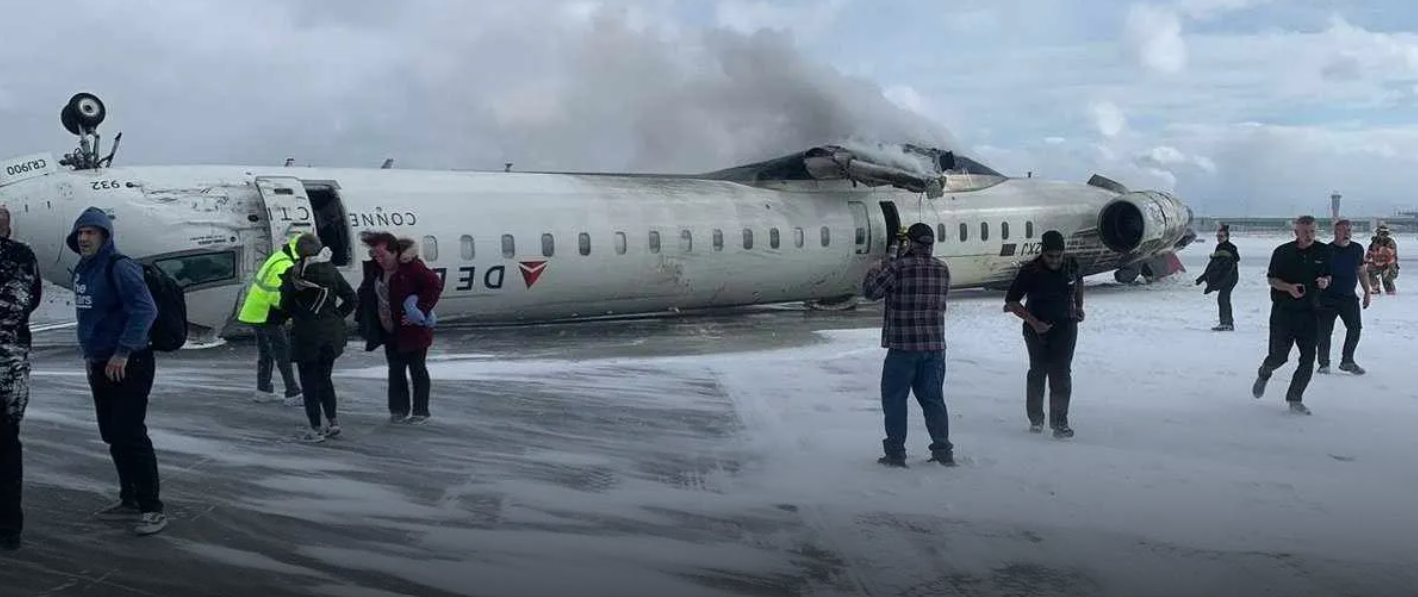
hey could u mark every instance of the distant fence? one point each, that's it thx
(1208, 225)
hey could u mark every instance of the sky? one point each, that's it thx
(1242, 107)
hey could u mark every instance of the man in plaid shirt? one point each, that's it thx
(913, 332)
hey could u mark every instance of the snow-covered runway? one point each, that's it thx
(735, 455)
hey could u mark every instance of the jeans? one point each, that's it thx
(121, 408)
(402, 367)
(273, 349)
(924, 373)
(1051, 358)
(1292, 327)
(1347, 309)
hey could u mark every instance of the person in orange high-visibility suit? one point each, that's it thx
(1382, 259)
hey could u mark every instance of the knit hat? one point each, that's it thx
(308, 245)
(1053, 241)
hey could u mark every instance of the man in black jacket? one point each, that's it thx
(1221, 275)
(1052, 283)
(1299, 271)
(20, 290)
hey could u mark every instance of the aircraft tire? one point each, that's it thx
(1125, 275)
(88, 110)
(70, 120)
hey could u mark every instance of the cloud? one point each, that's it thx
(1108, 117)
(1155, 35)
(445, 84)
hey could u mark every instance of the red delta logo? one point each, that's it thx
(531, 271)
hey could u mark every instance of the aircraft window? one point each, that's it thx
(1004, 230)
(718, 239)
(861, 235)
(747, 238)
(1028, 230)
(430, 248)
(548, 244)
(940, 233)
(509, 245)
(798, 237)
(654, 241)
(195, 270)
(620, 243)
(686, 241)
(984, 231)
(964, 232)
(585, 241)
(773, 237)
(826, 236)
(468, 253)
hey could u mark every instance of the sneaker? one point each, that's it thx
(311, 436)
(397, 418)
(893, 461)
(1225, 327)
(332, 429)
(1036, 428)
(151, 523)
(416, 420)
(260, 397)
(119, 511)
(1324, 369)
(1063, 432)
(10, 542)
(1352, 367)
(1299, 408)
(296, 400)
(296, 393)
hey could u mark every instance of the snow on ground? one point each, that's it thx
(735, 456)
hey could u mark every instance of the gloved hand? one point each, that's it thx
(416, 317)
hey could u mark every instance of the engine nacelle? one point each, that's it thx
(1143, 222)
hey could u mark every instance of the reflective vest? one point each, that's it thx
(265, 292)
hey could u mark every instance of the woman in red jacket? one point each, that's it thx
(396, 298)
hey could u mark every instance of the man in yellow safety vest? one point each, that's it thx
(262, 311)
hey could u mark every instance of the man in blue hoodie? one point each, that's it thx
(115, 313)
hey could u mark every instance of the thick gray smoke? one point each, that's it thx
(641, 103)
(435, 84)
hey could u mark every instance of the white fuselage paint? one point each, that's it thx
(461, 219)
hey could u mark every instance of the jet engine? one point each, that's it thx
(1143, 222)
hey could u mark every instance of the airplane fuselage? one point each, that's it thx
(520, 247)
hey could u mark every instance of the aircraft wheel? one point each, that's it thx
(70, 120)
(88, 110)
(1125, 275)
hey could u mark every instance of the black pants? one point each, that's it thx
(1346, 309)
(1223, 304)
(12, 473)
(402, 366)
(1289, 327)
(1051, 358)
(122, 410)
(273, 350)
(318, 386)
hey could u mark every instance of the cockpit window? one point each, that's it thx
(965, 165)
(199, 269)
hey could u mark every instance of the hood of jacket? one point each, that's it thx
(97, 218)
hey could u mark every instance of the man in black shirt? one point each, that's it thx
(1053, 284)
(1338, 301)
(1299, 271)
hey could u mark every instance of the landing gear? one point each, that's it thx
(81, 117)
(1126, 275)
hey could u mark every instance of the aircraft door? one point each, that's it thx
(288, 210)
(862, 223)
(893, 224)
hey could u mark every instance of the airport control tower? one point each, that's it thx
(1334, 205)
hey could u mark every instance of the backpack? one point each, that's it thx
(169, 331)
